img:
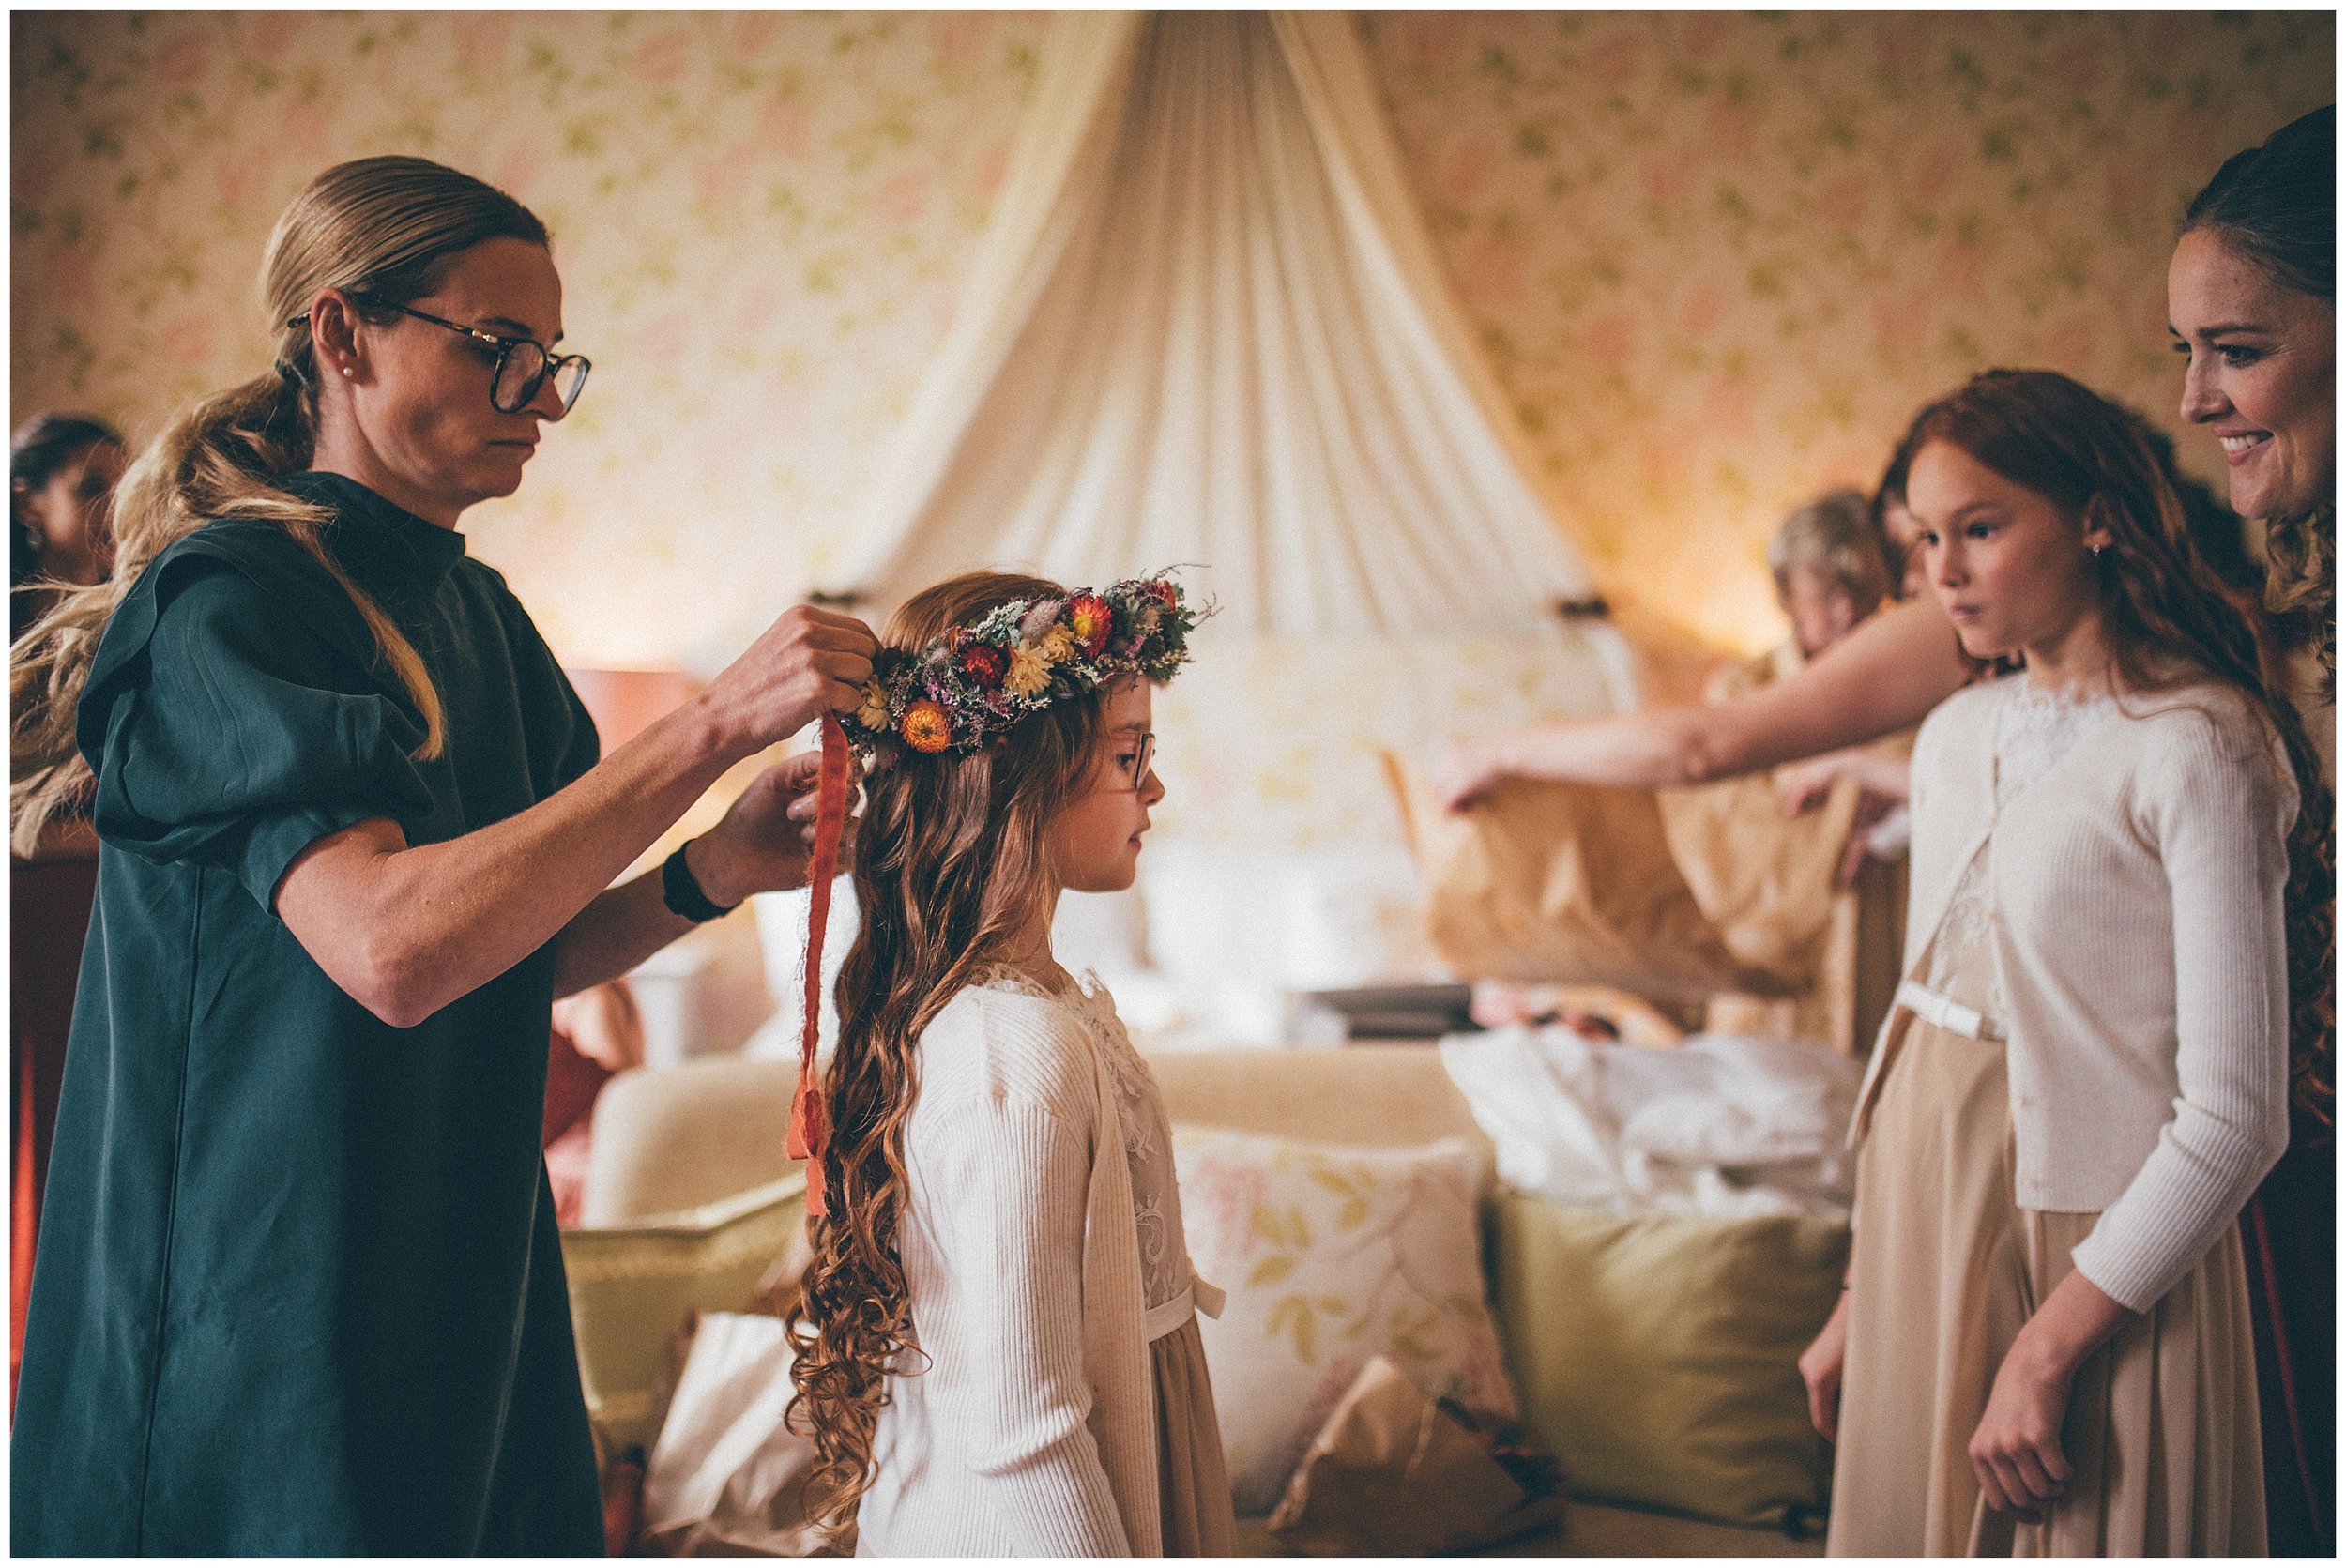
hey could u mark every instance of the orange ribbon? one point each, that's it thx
(809, 1118)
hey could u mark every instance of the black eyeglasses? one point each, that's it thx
(1144, 753)
(523, 364)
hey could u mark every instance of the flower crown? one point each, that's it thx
(966, 688)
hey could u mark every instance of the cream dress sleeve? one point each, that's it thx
(984, 1449)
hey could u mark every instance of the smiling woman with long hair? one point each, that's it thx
(2252, 300)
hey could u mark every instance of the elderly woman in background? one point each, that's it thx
(1835, 562)
(62, 473)
(1830, 560)
(2251, 301)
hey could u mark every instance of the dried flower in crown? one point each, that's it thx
(966, 689)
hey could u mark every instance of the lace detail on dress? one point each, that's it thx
(1165, 1264)
(2035, 727)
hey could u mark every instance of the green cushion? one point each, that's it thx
(1657, 1355)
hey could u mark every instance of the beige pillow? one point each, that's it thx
(1657, 1354)
(1331, 1256)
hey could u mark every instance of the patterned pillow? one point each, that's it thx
(1331, 1256)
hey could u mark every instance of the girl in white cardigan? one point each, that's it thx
(1000, 1356)
(2043, 1347)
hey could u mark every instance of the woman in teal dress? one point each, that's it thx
(299, 1287)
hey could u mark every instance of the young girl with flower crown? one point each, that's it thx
(999, 1355)
(2043, 1347)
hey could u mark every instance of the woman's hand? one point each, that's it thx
(603, 1023)
(767, 839)
(1821, 1369)
(809, 663)
(1803, 786)
(2016, 1450)
(1473, 769)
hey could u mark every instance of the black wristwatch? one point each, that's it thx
(681, 891)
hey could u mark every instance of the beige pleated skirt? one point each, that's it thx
(1192, 1484)
(1945, 1268)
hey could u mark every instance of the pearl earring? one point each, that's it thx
(346, 376)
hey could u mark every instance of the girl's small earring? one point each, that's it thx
(346, 376)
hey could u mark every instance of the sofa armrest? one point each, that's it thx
(671, 1138)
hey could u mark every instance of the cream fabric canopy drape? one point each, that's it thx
(1205, 326)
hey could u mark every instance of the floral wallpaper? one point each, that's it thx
(1714, 259)
(1719, 260)
(759, 220)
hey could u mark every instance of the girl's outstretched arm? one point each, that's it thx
(1886, 675)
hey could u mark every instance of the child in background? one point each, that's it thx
(999, 1355)
(62, 473)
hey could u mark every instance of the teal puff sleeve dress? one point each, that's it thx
(298, 1288)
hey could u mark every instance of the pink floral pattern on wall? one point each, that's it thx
(760, 218)
(1715, 260)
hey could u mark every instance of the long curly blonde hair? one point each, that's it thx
(386, 226)
(952, 867)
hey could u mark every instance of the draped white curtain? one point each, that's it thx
(1205, 326)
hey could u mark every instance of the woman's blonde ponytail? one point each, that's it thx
(382, 225)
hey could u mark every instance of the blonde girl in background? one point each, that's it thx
(999, 1355)
(2045, 1345)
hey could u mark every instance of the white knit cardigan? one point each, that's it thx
(1030, 1429)
(2139, 933)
